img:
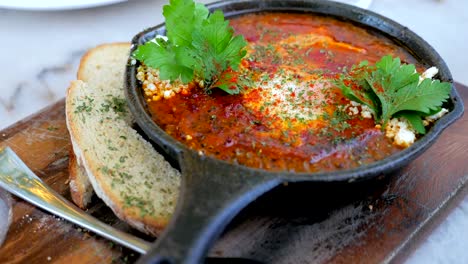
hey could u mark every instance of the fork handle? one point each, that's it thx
(18, 179)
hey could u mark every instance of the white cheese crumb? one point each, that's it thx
(405, 137)
(400, 131)
(366, 112)
(432, 118)
(353, 110)
(428, 74)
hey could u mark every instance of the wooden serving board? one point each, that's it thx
(381, 221)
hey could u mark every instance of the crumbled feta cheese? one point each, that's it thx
(401, 132)
(353, 110)
(432, 118)
(437, 115)
(404, 138)
(428, 74)
(366, 112)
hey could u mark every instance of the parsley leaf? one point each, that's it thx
(162, 55)
(216, 50)
(200, 46)
(391, 89)
(183, 18)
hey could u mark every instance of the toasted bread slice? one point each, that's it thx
(103, 68)
(80, 186)
(130, 177)
(135, 181)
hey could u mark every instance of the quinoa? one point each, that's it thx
(156, 89)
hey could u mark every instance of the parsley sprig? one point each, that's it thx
(392, 89)
(199, 46)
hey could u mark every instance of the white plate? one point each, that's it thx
(43, 5)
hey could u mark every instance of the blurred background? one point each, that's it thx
(42, 42)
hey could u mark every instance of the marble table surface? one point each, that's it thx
(40, 52)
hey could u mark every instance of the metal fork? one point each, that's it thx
(18, 179)
(5, 214)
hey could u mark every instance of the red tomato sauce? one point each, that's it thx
(292, 118)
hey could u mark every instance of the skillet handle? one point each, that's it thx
(212, 193)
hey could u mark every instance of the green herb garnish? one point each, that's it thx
(391, 89)
(199, 46)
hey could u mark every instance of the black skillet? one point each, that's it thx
(214, 191)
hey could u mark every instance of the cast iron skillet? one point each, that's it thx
(214, 191)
